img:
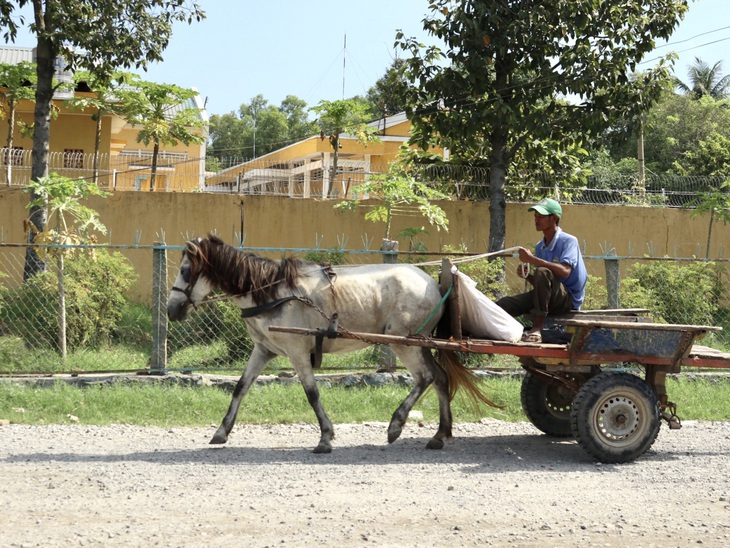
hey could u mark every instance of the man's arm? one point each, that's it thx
(561, 270)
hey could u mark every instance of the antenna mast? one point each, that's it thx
(344, 62)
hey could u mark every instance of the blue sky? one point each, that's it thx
(296, 47)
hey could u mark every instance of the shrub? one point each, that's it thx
(676, 293)
(95, 289)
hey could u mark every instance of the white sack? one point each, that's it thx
(481, 317)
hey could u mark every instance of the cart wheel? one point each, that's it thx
(547, 406)
(615, 417)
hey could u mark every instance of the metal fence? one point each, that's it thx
(309, 178)
(106, 331)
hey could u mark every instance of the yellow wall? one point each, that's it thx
(279, 222)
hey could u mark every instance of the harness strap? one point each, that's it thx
(256, 310)
(433, 312)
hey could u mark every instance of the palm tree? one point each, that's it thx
(704, 80)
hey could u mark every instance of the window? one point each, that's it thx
(73, 158)
(14, 158)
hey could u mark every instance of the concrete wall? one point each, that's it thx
(296, 223)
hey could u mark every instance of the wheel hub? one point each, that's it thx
(618, 418)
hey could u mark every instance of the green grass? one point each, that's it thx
(168, 405)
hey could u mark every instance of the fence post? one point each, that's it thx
(613, 280)
(158, 360)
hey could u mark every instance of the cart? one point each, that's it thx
(614, 414)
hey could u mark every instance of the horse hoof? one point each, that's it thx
(322, 449)
(435, 444)
(218, 438)
(393, 434)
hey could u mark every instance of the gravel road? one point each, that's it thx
(497, 483)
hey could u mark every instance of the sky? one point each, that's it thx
(297, 47)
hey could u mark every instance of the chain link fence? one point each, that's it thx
(77, 316)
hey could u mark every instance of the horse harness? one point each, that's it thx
(330, 332)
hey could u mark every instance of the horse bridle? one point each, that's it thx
(188, 290)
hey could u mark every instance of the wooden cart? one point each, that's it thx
(567, 390)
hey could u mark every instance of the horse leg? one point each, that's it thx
(424, 370)
(309, 383)
(260, 356)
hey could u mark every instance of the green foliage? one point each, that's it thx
(705, 81)
(710, 157)
(326, 256)
(400, 193)
(677, 125)
(69, 221)
(495, 90)
(675, 293)
(95, 289)
(596, 296)
(258, 128)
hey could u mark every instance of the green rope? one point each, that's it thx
(438, 307)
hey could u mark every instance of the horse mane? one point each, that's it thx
(239, 273)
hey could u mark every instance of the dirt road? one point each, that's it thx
(496, 484)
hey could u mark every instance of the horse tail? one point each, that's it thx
(462, 377)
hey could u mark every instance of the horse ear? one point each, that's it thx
(191, 248)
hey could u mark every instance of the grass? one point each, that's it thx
(168, 405)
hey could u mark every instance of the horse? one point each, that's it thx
(378, 298)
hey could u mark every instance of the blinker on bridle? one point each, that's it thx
(188, 290)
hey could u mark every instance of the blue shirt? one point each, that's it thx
(564, 249)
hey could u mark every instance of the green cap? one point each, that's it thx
(548, 206)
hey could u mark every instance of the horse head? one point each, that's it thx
(191, 285)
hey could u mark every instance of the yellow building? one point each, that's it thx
(302, 169)
(123, 163)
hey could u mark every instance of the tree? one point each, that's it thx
(388, 96)
(496, 91)
(295, 110)
(74, 223)
(338, 117)
(259, 128)
(101, 37)
(400, 193)
(18, 81)
(674, 127)
(104, 102)
(268, 125)
(705, 81)
(162, 119)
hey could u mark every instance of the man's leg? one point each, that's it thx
(550, 297)
(517, 305)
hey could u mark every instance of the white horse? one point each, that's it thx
(383, 298)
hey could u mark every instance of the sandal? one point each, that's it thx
(534, 337)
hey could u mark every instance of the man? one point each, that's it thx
(558, 273)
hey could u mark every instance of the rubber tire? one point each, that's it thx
(546, 408)
(615, 417)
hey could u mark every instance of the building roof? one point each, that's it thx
(12, 55)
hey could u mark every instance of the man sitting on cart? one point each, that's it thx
(558, 276)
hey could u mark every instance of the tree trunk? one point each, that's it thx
(153, 174)
(45, 54)
(333, 170)
(497, 205)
